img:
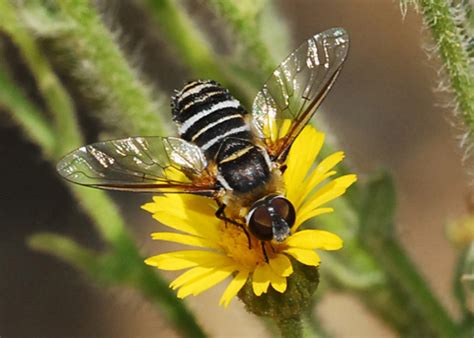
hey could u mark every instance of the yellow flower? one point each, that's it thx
(223, 250)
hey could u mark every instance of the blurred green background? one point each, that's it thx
(382, 110)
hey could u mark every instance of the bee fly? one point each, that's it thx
(224, 152)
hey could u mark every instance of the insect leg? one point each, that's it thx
(221, 215)
(262, 243)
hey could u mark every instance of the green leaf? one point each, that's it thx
(378, 204)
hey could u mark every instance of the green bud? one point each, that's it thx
(288, 305)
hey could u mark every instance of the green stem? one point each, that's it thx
(121, 267)
(193, 47)
(399, 266)
(136, 112)
(464, 288)
(312, 326)
(452, 47)
(56, 97)
(244, 18)
(290, 327)
(187, 39)
(34, 124)
(377, 235)
(97, 204)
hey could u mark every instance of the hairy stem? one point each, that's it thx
(57, 99)
(196, 50)
(244, 17)
(35, 124)
(136, 112)
(123, 265)
(290, 327)
(122, 253)
(452, 45)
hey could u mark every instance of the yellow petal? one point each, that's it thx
(197, 227)
(234, 287)
(191, 214)
(278, 283)
(206, 281)
(327, 193)
(261, 279)
(300, 160)
(318, 175)
(305, 256)
(302, 217)
(186, 203)
(184, 259)
(309, 185)
(184, 239)
(150, 207)
(281, 265)
(189, 276)
(315, 239)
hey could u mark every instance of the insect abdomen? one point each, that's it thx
(207, 114)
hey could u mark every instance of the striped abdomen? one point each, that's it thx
(208, 116)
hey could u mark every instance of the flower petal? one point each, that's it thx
(261, 279)
(198, 226)
(327, 193)
(300, 160)
(305, 256)
(315, 239)
(234, 287)
(281, 265)
(318, 175)
(191, 214)
(184, 259)
(278, 283)
(184, 239)
(189, 276)
(303, 217)
(207, 281)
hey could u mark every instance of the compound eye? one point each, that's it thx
(260, 223)
(285, 209)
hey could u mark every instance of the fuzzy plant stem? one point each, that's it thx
(35, 124)
(243, 16)
(195, 49)
(377, 234)
(137, 113)
(451, 25)
(123, 254)
(290, 327)
(57, 99)
(129, 267)
(439, 16)
(107, 219)
(126, 268)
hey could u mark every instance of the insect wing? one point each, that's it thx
(296, 88)
(142, 164)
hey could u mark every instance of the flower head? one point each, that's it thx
(222, 250)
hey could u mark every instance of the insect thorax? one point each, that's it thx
(208, 116)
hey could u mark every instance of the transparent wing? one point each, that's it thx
(296, 88)
(142, 164)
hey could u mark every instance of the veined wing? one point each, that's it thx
(296, 88)
(141, 164)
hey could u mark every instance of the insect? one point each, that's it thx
(224, 152)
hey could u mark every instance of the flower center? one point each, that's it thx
(235, 243)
